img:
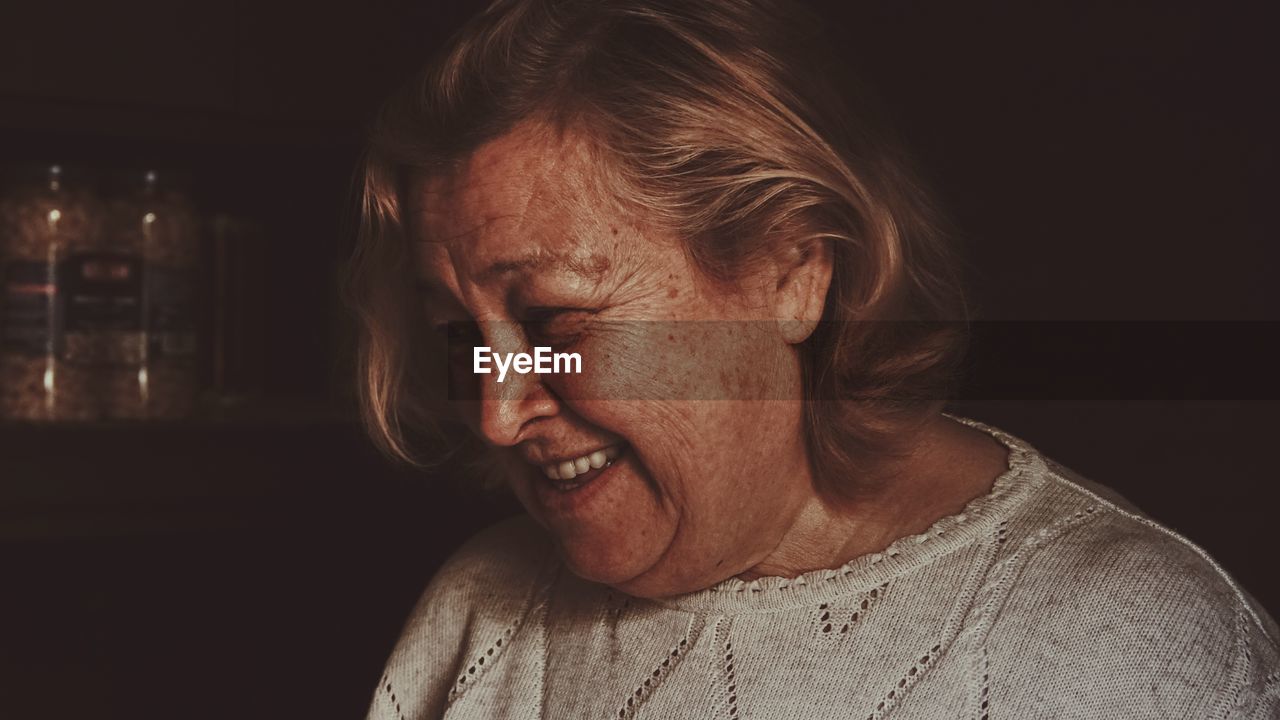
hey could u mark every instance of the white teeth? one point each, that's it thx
(570, 469)
(567, 470)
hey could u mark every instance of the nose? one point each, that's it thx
(508, 408)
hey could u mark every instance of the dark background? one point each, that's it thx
(1112, 167)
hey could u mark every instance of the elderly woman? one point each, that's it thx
(744, 500)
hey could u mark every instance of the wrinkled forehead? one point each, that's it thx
(528, 191)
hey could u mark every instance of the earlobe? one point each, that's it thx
(801, 294)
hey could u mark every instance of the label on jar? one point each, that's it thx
(101, 306)
(171, 315)
(27, 322)
(102, 291)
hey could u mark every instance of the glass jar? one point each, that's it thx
(46, 216)
(158, 377)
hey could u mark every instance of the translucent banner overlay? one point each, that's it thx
(1005, 360)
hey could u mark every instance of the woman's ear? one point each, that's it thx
(800, 295)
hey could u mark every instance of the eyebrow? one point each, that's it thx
(591, 267)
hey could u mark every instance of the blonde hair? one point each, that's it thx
(724, 120)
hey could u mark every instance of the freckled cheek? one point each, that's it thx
(662, 387)
(670, 361)
(713, 360)
(668, 439)
(620, 363)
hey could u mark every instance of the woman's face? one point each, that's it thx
(675, 458)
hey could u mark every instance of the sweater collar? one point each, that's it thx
(981, 518)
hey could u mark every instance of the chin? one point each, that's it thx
(646, 588)
(634, 573)
(601, 561)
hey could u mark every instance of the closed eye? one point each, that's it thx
(556, 324)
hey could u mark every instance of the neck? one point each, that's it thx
(948, 465)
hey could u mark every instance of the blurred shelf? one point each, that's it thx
(209, 414)
(221, 467)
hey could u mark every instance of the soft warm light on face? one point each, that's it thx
(523, 244)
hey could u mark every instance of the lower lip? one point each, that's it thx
(571, 501)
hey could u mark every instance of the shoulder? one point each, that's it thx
(490, 579)
(496, 562)
(1112, 605)
(474, 604)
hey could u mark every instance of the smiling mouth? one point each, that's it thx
(572, 474)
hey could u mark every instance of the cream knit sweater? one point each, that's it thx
(1047, 598)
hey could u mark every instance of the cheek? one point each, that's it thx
(687, 395)
(699, 459)
(682, 361)
(697, 400)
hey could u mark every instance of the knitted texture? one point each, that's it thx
(1046, 598)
